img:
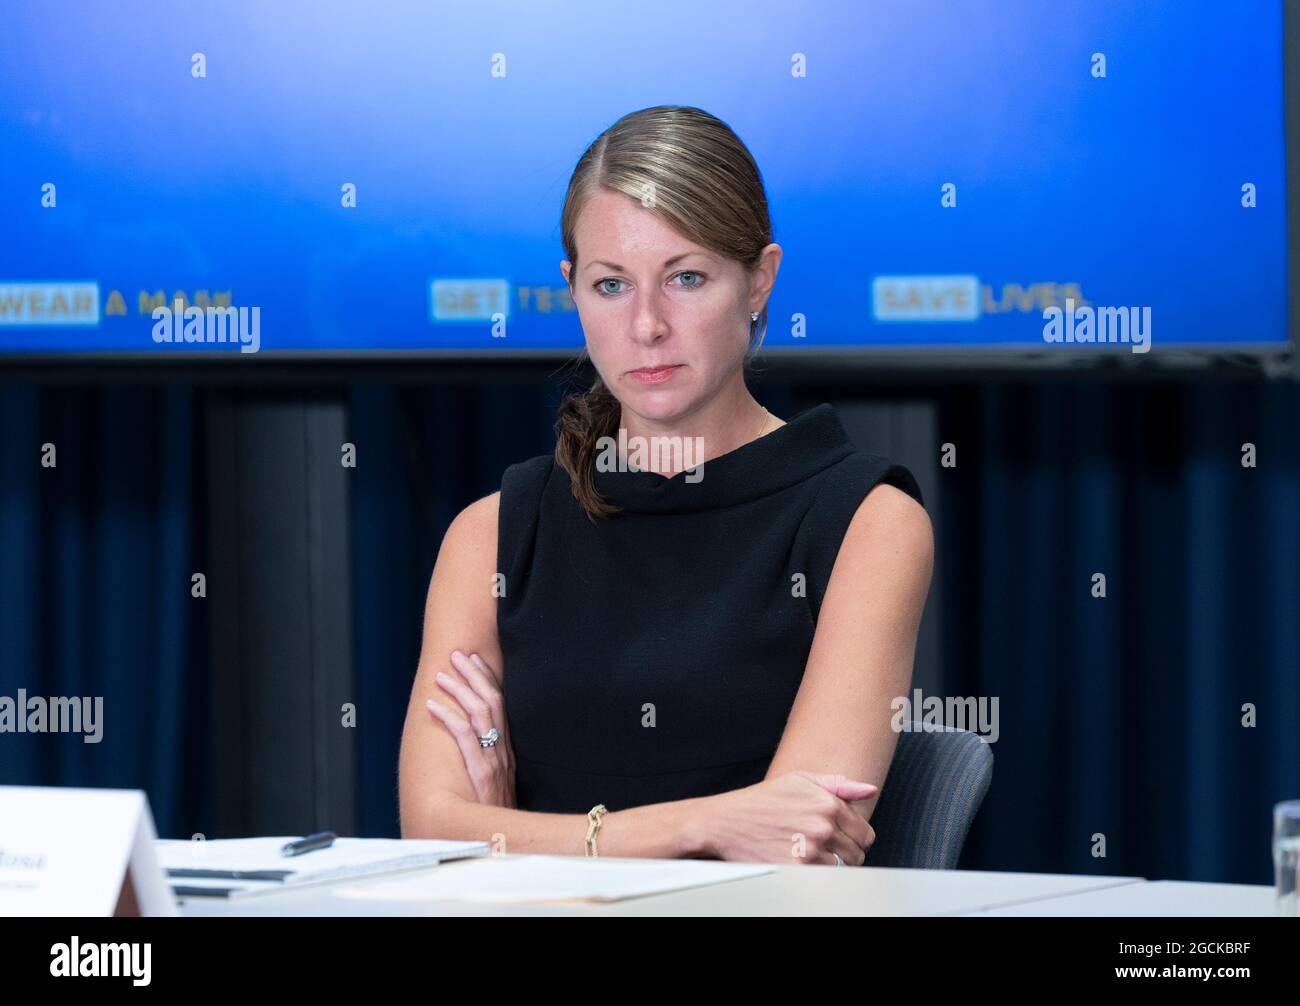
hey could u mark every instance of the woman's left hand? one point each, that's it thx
(491, 769)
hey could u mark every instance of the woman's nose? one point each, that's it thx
(649, 324)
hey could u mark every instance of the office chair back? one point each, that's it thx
(931, 794)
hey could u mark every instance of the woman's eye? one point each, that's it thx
(697, 277)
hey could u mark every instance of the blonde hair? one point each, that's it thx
(693, 171)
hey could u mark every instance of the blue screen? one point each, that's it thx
(940, 174)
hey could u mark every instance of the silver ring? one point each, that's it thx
(838, 861)
(489, 739)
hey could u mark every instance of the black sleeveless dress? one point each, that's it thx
(655, 655)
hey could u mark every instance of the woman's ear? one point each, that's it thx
(763, 278)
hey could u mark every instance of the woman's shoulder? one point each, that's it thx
(851, 479)
(474, 529)
(528, 473)
(887, 507)
(523, 483)
(480, 524)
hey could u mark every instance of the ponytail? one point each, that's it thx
(581, 421)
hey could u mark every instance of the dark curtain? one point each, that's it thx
(96, 559)
(429, 453)
(1123, 716)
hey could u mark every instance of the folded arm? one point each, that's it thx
(437, 796)
(862, 651)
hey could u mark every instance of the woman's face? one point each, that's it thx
(649, 298)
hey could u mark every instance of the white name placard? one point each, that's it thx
(79, 852)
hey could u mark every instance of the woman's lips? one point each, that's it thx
(655, 375)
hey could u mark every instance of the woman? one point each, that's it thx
(636, 652)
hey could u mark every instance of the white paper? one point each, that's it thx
(554, 878)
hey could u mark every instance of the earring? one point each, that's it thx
(753, 316)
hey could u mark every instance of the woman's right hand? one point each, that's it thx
(800, 817)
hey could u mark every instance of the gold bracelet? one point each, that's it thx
(595, 818)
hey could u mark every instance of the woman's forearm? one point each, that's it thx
(673, 830)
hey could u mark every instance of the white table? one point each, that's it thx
(1167, 898)
(788, 890)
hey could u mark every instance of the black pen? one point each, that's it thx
(320, 840)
